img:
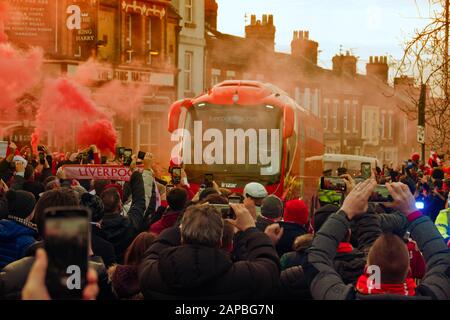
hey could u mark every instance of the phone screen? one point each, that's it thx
(127, 157)
(234, 199)
(225, 211)
(176, 175)
(41, 158)
(380, 194)
(120, 151)
(141, 155)
(366, 170)
(67, 237)
(333, 183)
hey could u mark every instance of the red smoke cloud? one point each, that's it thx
(101, 133)
(123, 100)
(19, 72)
(67, 108)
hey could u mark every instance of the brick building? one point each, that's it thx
(137, 41)
(360, 113)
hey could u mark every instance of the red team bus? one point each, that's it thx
(248, 115)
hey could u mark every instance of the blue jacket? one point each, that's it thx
(15, 238)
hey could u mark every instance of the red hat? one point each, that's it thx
(415, 157)
(296, 211)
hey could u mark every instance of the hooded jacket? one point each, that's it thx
(15, 238)
(173, 271)
(326, 284)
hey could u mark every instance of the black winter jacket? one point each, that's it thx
(120, 230)
(173, 271)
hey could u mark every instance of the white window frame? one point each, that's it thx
(383, 125)
(390, 123)
(129, 36)
(325, 115)
(335, 115)
(307, 99)
(346, 115)
(365, 124)
(231, 75)
(298, 96)
(315, 103)
(354, 115)
(187, 72)
(215, 76)
(149, 40)
(189, 11)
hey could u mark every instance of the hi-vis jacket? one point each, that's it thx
(442, 224)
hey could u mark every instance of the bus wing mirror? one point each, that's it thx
(288, 120)
(175, 112)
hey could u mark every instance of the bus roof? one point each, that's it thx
(248, 88)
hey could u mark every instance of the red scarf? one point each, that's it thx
(344, 247)
(408, 288)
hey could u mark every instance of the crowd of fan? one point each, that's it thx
(146, 244)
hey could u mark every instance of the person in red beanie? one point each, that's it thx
(294, 224)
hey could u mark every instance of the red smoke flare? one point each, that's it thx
(101, 133)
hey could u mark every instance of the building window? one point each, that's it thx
(298, 96)
(382, 125)
(144, 136)
(231, 75)
(355, 110)
(188, 71)
(149, 135)
(307, 99)
(335, 115)
(149, 41)
(326, 106)
(315, 103)
(189, 14)
(390, 125)
(365, 124)
(215, 77)
(346, 115)
(129, 49)
(388, 156)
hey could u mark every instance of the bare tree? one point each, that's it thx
(426, 56)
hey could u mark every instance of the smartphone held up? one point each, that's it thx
(66, 241)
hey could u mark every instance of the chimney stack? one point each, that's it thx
(378, 68)
(303, 47)
(345, 64)
(262, 32)
(211, 8)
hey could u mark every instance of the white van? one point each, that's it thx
(349, 161)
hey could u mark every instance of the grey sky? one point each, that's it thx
(366, 27)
